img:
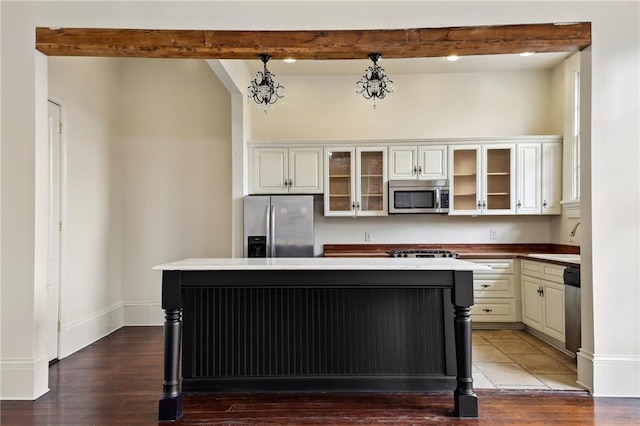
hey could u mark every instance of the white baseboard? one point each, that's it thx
(143, 314)
(609, 375)
(23, 379)
(584, 360)
(79, 334)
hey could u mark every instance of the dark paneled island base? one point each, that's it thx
(283, 329)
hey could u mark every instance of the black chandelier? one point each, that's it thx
(374, 84)
(264, 90)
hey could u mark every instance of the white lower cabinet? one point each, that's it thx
(495, 295)
(543, 298)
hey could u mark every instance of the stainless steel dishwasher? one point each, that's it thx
(572, 309)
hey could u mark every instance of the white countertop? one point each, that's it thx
(321, 263)
(568, 258)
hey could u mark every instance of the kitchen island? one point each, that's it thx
(317, 324)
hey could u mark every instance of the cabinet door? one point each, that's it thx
(305, 170)
(371, 182)
(528, 185)
(433, 162)
(499, 180)
(551, 177)
(269, 171)
(402, 162)
(553, 310)
(532, 302)
(339, 195)
(464, 163)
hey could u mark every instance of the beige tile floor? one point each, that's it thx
(514, 359)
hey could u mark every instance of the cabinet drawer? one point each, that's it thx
(493, 286)
(486, 310)
(545, 271)
(498, 266)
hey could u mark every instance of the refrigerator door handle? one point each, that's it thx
(267, 218)
(272, 243)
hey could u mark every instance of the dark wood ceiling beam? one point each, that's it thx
(342, 44)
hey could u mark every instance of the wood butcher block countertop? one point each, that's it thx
(465, 251)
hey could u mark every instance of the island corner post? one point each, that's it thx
(453, 287)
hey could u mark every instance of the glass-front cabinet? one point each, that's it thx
(466, 181)
(339, 198)
(483, 179)
(355, 181)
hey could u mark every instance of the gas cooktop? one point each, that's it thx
(423, 253)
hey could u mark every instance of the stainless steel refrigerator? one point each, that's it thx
(278, 226)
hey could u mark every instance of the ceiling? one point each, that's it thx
(466, 64)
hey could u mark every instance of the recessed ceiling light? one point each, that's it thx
(453, 58)
(289, 60)
(526, 53)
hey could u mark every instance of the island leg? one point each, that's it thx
(170, 405)
(465, 399)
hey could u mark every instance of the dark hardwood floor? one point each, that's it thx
(118, 381)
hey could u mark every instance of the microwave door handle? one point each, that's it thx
(437, 199)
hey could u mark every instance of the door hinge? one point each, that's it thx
(60, 127)
(59, 327)
(60, 226)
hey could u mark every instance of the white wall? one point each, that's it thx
(429, 229)
(91, 268)
(326, 108)
(175, 132)
(611, 270)
(561, 112)
(423, 106)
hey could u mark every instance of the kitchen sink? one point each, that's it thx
(571, 258)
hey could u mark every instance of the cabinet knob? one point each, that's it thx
(353, 205)
(519, 204)
(415, 169)
(419, 169)
(544, 204)
(487, 310)
(485, 285)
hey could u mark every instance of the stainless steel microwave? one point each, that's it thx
(419, 196)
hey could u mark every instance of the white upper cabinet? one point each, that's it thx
(277, 170)
(539, 178)
(551, 177)
(269, 167)
(355, 181)
(418, 162)
(528, 182)
(487, 176)
(483, 179)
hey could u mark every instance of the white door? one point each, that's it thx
(53, 258)
(402, 162)
(270, 171)
(305, 170)
(433, 162)
(528, 179)
(551, 177)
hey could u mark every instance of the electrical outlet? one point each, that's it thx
(493, 234)
(367, 236)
